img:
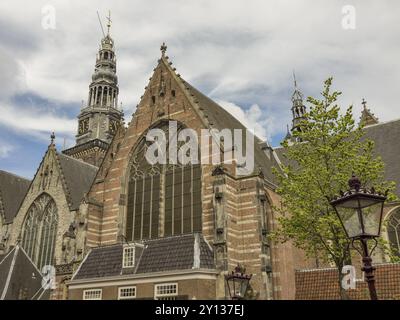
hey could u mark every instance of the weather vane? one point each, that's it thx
(108, 22)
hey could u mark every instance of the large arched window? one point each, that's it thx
(39, 231)
(393, 230)
(163, 200)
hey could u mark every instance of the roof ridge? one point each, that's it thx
(107, 246)
(170, 237)
(14, 175)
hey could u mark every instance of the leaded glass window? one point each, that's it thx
(39, 231)
(163, 199)
(48, 238)
(30, 232)
(393, 230)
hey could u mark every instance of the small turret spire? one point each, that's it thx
(288, 134)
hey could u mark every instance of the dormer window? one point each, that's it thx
(128, 258)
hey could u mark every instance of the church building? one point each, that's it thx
(115, 226)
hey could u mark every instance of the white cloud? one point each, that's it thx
(5, 149)
(261, 124)
(239, 51)
(30, 121)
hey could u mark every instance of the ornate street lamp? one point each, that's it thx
(238, 282)
(360, 211)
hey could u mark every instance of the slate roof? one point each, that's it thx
(12, 191)
(157, 255)
(78, 176)
(323, 284)
(387, 144)
(18, 275)
(386, 136)
(221, 119)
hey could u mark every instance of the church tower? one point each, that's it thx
(100, 116)
(298, 112)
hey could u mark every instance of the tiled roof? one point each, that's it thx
(323, 284)
(12, 191)
(386, 136)
(222, 119)
(78, 177)
(25, 280)
(158, 255)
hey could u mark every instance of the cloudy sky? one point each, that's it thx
(240, 53)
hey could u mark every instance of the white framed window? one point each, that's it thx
(92, 294)
(128, 259)
(126, 293)
(166, 291)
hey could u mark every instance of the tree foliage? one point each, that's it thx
(329, 147)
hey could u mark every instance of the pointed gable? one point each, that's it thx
(12, 191)
(165, 84)
(367, 117)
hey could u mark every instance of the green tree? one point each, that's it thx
(329, 147)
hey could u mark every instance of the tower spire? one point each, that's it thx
(100, 115)
(298, 108)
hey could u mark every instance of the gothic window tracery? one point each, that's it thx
(39, 231)
(393, 231)
(163, 199)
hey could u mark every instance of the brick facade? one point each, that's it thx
(236, 211)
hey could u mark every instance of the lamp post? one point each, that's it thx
(360, 212)
(237, 283)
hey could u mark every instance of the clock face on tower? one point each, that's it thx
(113, 126)
(83, 126)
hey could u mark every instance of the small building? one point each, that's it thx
(172, 268)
